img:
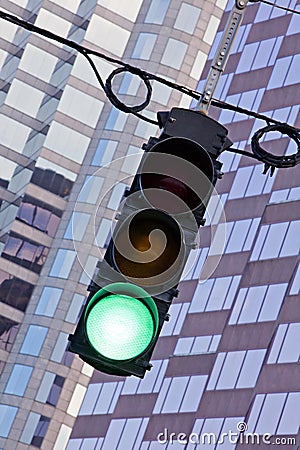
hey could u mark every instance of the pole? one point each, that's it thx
(222, 54)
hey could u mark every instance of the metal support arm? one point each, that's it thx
(222, 54)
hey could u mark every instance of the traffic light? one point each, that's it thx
(157, 226)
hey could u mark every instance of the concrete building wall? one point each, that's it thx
(230, 353)
(58, 137)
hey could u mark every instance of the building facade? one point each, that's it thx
(66, 156)
(228, 360)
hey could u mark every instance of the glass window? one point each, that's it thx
(80, 106)
(263, 53)
(130, 84)
(112, 38)
(18, 380)
(274, 53)
(187, 18)
(48, 301)
(180, 394)
(116, 120)
(53, 178)
(14, 291)
(62, 264)
(54, 23)
(290, 422)
(8, 332)
(60, 347)
(214, 294)
(277, 240)
(247, 57)
(211, 30)
(67, 142)
(90, 399)
(91, 189)
(124, 433)
(286, 345)
(104, 233)
(116, 196)
(238, 369)
(104, 152)
(294, 25)
(108, 398)
(270, 413)
(63, 436)
(74, 308)
(195, 263)
(88, 270)
(39, 215)
(291, 78)
(74, 444)
(13, 134)
(45, 387)
(157, 11)
(206, 344)
(258, 303)
(174, 396)
(130, 11)
(153, 379)
(259, 183)
(270, 246)
(7, 416)
(24, 98)
(76, 400)
(77, 226)
(193, 393)
(30, 427)
(40, 431)
(199, 64)
(178, 312)
(55, 390)
(24, 252)
(183, 346)
(279, 73)
(238, 236)
(295, 288)
(132, 160)
(174, 53)
(34, 340)
(291, 243)
(240, 182)
(144, 46)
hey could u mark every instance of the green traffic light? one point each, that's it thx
(119, 326)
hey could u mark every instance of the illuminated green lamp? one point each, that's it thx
(121, 321)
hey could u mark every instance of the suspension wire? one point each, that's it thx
(259, 153)
(293, 11)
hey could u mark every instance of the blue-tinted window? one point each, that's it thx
(157, 11)
(7, 416)
(48, 301)
(55, 390)
(144, 46)
(116, 120)
(74, 308)
(116, 196)
(40, 431)
(18, 380)
(104, 152)
(8, 333)
(77, 226)
(25, 252)
(63, 263)
(91, 189)
(34, 340)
